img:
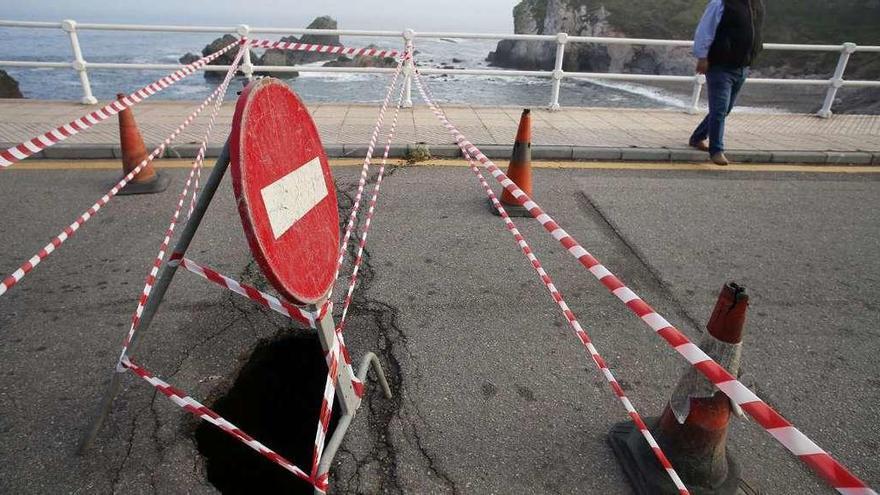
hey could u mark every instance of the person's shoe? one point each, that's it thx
(700, 145)
(719, 159)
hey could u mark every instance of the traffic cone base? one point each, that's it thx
(647, 476)
(692, 431)
(148, 180)
(156, 184)
(520, 169)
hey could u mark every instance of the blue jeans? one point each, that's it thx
(723, 84)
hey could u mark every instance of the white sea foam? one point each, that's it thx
(668, 98)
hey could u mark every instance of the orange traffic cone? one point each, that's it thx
(520, 168)
(134, 152)
(693, 428)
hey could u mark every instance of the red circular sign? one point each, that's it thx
(285, 191)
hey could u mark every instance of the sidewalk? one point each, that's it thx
(569, 134)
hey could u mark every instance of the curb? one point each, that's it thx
(502, 152)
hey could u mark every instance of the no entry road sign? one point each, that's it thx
(285, 191)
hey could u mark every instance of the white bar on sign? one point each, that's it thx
(289, 198)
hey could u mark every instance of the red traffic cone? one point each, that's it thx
(693, 428)
(520, 168)
(148, 180)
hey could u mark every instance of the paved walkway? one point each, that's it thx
(572, 133)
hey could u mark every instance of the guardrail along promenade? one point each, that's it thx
(79, 64)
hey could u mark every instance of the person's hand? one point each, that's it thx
(702, 65)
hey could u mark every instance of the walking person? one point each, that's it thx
(726, 42)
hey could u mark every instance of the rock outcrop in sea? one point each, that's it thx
(274, 57)
(278, 57)
(582, 18)
(9, 86)
(225, 59)
(363, 61)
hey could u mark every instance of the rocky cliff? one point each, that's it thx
(582, 18)
(787, 21)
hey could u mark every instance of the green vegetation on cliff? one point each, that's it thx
(787, 21)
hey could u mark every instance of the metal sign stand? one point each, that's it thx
(349, 400)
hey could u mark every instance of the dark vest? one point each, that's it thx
(738, 39)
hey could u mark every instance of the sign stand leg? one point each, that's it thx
(158, 292)
(345, 421)
(349, 402)
(348, 399)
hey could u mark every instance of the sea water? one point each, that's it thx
(166, 48)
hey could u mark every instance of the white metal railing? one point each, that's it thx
(81, 66)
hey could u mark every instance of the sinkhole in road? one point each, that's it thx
(275, 399)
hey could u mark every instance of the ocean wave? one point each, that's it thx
(654, 94)
(670, 99)
(335, 76)
(191, 89)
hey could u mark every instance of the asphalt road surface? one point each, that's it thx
(494, 393)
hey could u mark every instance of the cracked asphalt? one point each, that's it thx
(493, 393)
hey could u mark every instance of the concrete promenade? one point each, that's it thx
(570, 134)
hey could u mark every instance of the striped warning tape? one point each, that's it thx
(294, 312)
(566, 311)
(332, 357)
(220, 93)
(370, 210)
(822, 463)
(365, 168)
(71, 229)
(43, 141)
(195, 408)
(297, 313)
(333, 49)
(353, 215)
(337, 346)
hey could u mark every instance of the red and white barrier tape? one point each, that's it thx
(369, 217)
(197, 409)
(338, 344)
(822, 463)
(291, 311)
(365, 168)
(566, 311)
(333, 49)
(219, 93)
(332, 357)
(352, 219)
(41, 142)
(70, 230)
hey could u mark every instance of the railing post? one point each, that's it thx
(836, 81)
(409, 67)
(699, 81)
(247, 66)
(558, 73)
(79, 64)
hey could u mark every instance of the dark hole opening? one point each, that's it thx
(275, 399)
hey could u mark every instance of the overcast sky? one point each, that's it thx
(447, 15)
